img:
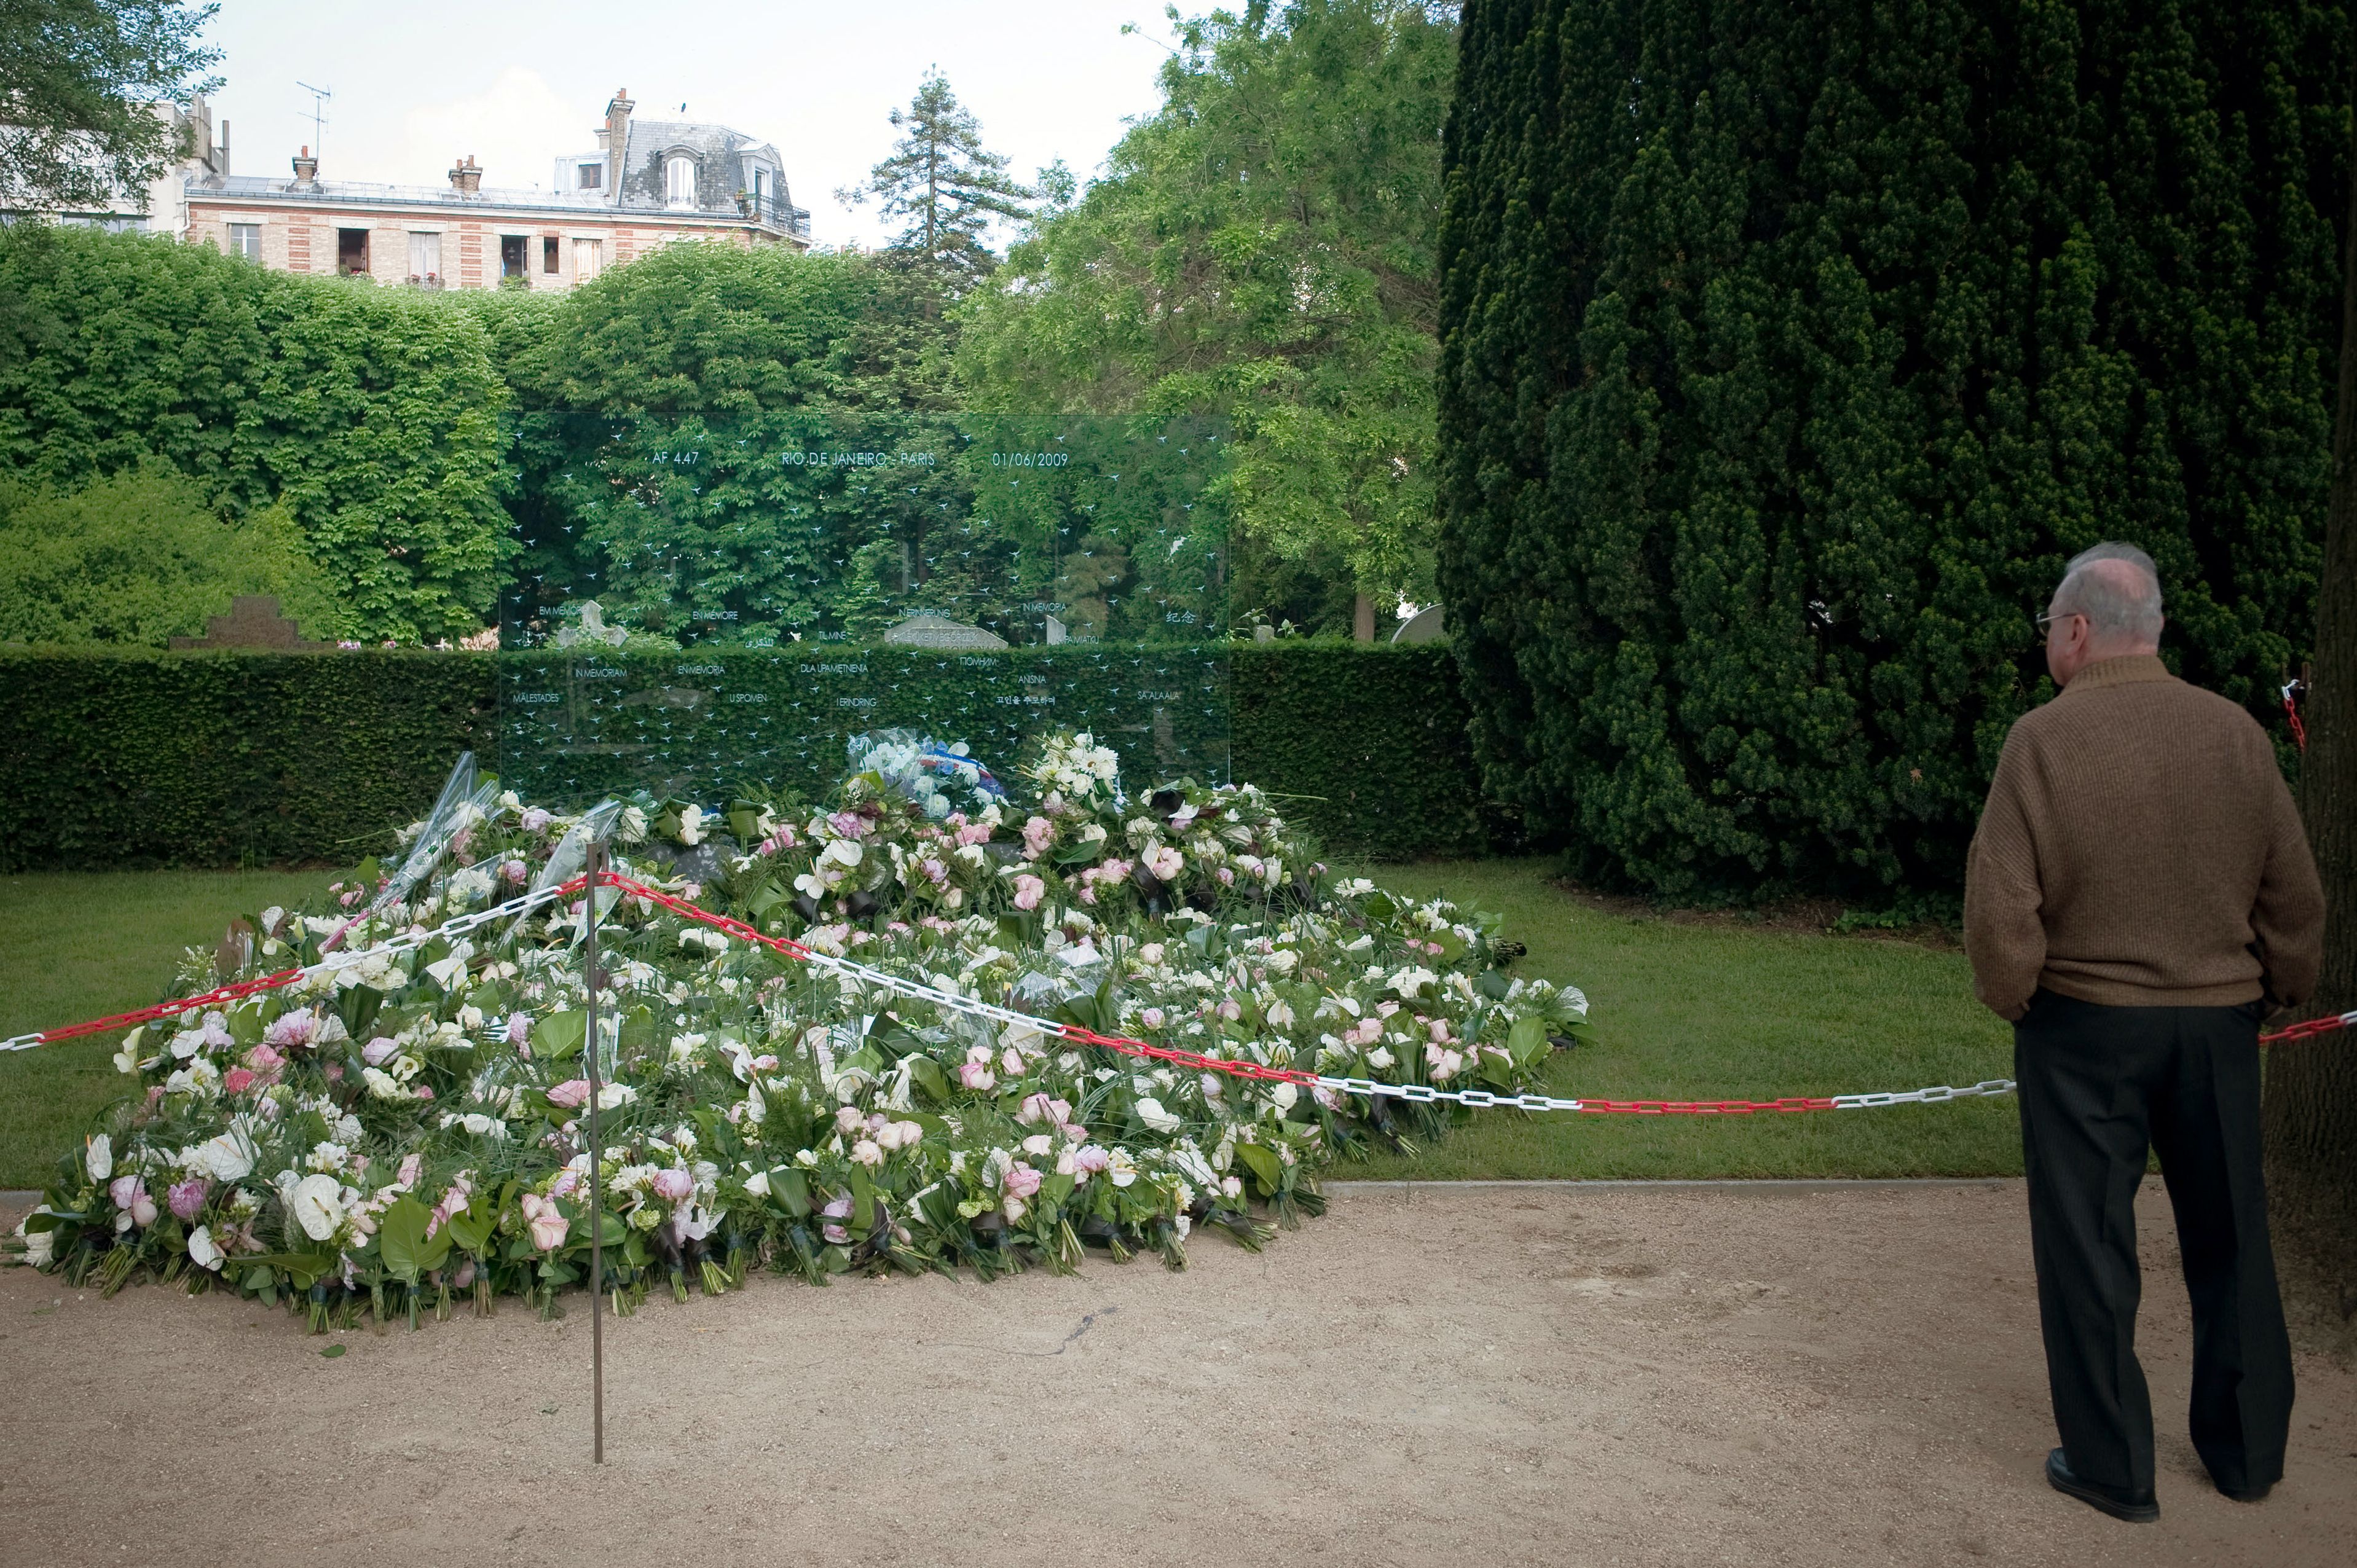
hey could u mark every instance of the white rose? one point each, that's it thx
(633, 825)
(691, 825)
(1150, 1112)
(40, 1246)
(1285, 1094)
(98, 1159)
(202, 1249)
(318, 1206)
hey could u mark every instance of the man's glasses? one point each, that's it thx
(2049, 617)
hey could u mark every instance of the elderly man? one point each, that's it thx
(2139, 896)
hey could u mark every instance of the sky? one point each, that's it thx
(418, 85)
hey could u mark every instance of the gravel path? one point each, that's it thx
(1544, 1376)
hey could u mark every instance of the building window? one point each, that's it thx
(591, 176)
(245, 240)
(352, 251)
(511, 255)
(678, 180)
(425, 260)
(549, 251)
(588, 259)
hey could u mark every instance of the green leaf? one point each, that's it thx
(408, 1253)
(332, 1351)
(1262, 1164)
(470, 1228)
(790, 1185)
(862, 1201)
(559, 1035)
(1527, 1040)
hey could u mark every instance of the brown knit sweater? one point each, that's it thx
(2139, 850)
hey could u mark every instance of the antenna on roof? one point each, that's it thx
(319, 96)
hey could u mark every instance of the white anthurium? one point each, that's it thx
(446, 973)
(1150, 1112)
(203, 1250)
(316, 1203)
(97, 1157)
(226, 1157)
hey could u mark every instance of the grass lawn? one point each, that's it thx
(1727, 1012)
(1679, 1012)
(77, 945)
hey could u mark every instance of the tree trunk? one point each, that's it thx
(2311, 1085)
(1362, 619)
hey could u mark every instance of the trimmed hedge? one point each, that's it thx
(213, 758)
(1378, 735)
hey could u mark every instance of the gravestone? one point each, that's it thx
(1421, 628)
(254, 622)
(940, 631)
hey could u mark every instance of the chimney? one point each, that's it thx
(464, 178)
(617, 142)
(306, 170)
(220, 164)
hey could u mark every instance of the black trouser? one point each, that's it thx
(2098, 1085)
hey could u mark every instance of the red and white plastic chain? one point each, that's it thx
(1417, 1093)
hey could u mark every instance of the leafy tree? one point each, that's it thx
(371, 415)
(947, 185)
(1262, 247)
(1788, 351)
(78, 79)
(657, 408)
(139, 557)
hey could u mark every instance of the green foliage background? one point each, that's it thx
(1262, 248)
(213, 758)
(371, 415)
(137, 558)
(1788, 351)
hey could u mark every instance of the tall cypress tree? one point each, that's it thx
(1788, 352)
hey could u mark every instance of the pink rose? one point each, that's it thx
(261, 1058)
(1151, 1017)
(188, 1198)
(672, 1185)
(237, 1080)
(514, 871)
(518, 1028)
(1227, 877)
(1090, 1158)
(1028, 891)
(569, 1095)
(547, 1222)
(410, 1164)
(976, 1076)
(377, 1052)
(1036, 834)
(1020, 1181)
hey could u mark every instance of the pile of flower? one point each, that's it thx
(413, 1127)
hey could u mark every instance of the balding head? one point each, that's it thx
(2107, 607)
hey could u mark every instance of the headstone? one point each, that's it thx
(940, 631)
(1421, 628)
(1263, 632)
(254, 622)
(592, 628)
(1056, 631)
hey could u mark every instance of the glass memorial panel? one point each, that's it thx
(717, 611)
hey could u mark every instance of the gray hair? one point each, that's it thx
(2114, 603)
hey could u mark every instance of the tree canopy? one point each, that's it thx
(1261, 247)
(1788, 352)
(947, 185)
(77, 82)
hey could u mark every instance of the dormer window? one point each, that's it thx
(678, 180)
(592, 177)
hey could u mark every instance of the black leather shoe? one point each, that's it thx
(2135, 1510)
(2258, 1494)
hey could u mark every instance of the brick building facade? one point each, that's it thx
(646, 184)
